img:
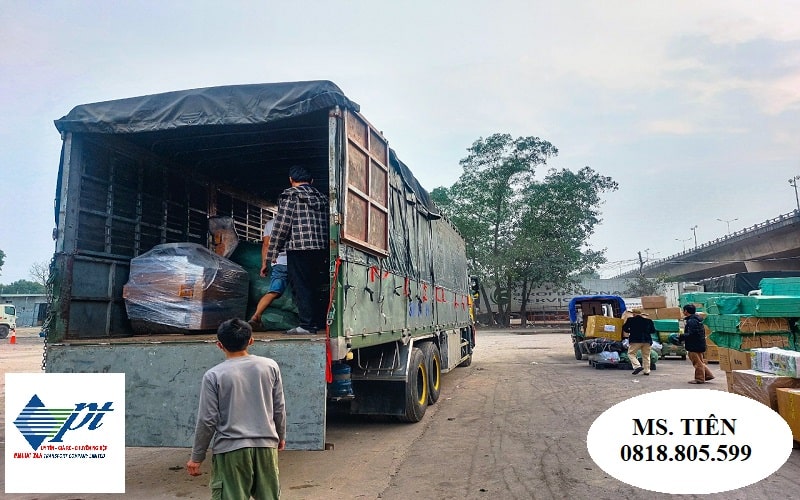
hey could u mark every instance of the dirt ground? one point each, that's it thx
(513, 425)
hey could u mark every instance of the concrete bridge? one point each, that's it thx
(773, 245)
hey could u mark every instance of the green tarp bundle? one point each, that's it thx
(282, 313)
(731, 323)
(667, 325)
(760, 306)
(734, 340)
(773, 306)
(780, 286)
(702, 298)
(724, 305)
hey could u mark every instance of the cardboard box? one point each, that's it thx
(760, 386)
(789, 408)
(604, 326)
(724, 358)
(774, 341)
(740, 360)
(751, 324)
(729, 379)
(650, 313)
(669, 313)
(751, 342)
(712, 354)
(654, 301)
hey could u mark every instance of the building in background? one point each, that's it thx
(31, 307)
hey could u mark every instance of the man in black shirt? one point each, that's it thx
(640, 330)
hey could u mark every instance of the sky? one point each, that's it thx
(692, 107)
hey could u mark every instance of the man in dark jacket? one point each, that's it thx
(640, 330)
(694, 339)
(301, 229)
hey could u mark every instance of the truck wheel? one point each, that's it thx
(416, 387)
(578, 353)
(434, 361)
(466, 362)
(4, 331)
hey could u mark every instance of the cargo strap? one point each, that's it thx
(329, 321)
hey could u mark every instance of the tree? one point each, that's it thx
(641, 285)
(22, 287)
(2, 259)
(40, 272)
(520, 232)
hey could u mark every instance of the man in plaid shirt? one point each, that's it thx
(301, 229)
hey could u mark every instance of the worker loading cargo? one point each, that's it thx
(277, 278)
(301, 230)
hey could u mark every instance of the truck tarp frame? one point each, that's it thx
(227, 105)
(242, 105)
(573, 315)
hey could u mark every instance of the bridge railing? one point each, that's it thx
(761, 227)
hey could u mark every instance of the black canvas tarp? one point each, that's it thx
(742, 282)
(225, 105)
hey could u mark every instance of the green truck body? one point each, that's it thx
(146, 171)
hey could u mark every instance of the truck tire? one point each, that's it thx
(578, 353)
(4, 331)
(434, 359)
(466, 362)
(416, 387)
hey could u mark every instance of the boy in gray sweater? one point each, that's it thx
(242, 408)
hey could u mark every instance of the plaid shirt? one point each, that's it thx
(302, 221)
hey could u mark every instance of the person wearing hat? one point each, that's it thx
(640, 330)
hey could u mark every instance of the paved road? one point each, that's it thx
(511, 426)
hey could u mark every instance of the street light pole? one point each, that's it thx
(694, 230)
(728, 222)
(793, 183)
(683, 241)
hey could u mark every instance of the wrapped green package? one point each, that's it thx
(281, 313)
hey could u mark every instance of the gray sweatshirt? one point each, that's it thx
(241, 406)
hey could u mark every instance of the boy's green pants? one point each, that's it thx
(240, 474)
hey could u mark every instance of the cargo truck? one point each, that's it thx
(146, 171)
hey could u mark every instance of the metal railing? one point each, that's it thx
(761, 227)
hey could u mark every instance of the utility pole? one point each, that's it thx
(694, 230)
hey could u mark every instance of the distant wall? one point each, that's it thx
(29, 307)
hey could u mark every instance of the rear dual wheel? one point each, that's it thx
(416, 387)
(434, 360)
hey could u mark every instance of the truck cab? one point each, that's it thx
(8, 319)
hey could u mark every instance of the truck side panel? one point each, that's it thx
(162, 385)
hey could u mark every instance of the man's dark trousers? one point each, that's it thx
(308, 272)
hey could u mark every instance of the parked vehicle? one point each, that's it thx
(8, 319)
(139, 172)
(583, 306)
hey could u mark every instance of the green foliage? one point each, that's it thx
(641, 285)
(2, 259)
(522, 232)
(22, 286)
